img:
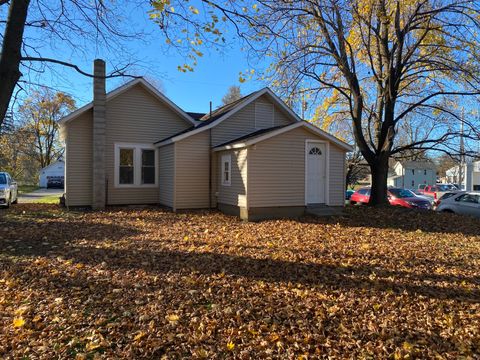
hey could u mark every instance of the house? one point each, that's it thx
(254, 158)
(410, 174)
(468, 178)
(54, 170)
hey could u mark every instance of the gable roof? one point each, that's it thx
(223, 113)
(419, 164)
(195, 115)
(250, 136)
(54, 163)
(265, 134)
(120, 90)
(222, 110)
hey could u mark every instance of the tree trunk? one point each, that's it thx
(11, 53)
(379, 170)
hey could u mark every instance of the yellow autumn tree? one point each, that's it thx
(381, 65)
(38, 117)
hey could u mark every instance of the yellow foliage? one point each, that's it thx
(18, 322)
(139, 336)
(173, 318)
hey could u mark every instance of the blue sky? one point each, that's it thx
(155, 60)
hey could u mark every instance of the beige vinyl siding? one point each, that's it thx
(281, 118)
(78, 160)
(337, 176)
(243, 122)
(239, 124)
(230, 194)
(264, 115)
(166, 173)
(136, 116)
(192, 172)
(276, 170)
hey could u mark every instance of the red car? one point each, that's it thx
(396, 196)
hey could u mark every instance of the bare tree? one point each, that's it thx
(356, 169)
(386, 63)
(80, 25)
(233, 94)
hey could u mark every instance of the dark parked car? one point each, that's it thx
(55, 182)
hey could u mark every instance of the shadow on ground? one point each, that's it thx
(397, 218)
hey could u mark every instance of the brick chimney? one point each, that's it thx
(99, 128)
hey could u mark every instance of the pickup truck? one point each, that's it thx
(437, 191)
(8, 190)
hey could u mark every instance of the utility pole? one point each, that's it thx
(304, 105)
(461, 174)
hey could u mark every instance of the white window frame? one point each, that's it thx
(227, 159)
(137, 164)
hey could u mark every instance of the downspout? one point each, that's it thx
(210, 168)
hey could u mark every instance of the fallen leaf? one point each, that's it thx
(18, 322)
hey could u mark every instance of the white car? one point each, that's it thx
(464, 203)
(8, 190)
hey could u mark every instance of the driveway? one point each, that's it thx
(36, 195)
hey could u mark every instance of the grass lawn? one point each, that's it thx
(51, 199)
(145, 283)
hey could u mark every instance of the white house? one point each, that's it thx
(469, 179)
(410, 174)
(56, 169)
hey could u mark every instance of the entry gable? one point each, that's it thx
(262, 135)
(239, 118)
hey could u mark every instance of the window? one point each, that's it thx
(126, 166)
(413, 171)
(226, 170)
(447, 195)
(135, 165)
(148, 166)
(413, 183)
(315, 151)
(401, 193)
(364, 192)
(468, 198)
(424, 172)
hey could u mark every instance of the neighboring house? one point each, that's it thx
(254, 158)
(468, 179)
(410, 174)
(54, 170)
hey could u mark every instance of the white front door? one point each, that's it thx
(316, 172)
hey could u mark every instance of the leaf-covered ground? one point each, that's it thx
(146, 283)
